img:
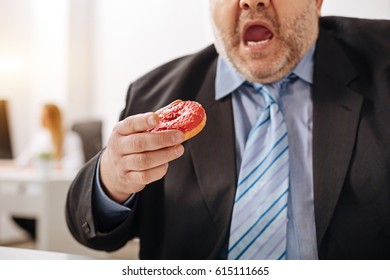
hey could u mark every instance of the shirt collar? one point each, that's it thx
(304, 69)
(228, 80)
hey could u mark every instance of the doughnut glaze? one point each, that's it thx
(186, 116)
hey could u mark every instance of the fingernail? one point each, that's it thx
(151, 120)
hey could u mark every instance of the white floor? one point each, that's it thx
(11, 235)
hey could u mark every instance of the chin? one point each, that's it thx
(264, 74)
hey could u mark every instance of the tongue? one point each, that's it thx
(257, 33)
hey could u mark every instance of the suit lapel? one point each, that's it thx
(213, 154)
(336, 116)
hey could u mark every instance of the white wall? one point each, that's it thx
(376, 9)
(132, 37)
(15, 41)
(49, 52)
(83, 54)
(45, 56)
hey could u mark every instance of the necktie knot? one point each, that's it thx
(271, 91)
(268, 97)
(291, 78)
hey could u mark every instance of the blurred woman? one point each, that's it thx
(51, 142)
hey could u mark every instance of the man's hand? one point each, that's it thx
(134, 158)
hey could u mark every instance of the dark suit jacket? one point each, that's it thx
(186, 215)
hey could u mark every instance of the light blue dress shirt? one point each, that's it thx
(296, 106)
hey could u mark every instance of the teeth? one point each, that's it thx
(258, 43)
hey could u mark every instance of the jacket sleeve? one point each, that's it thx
(82, 221)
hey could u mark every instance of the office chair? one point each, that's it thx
(91, 135)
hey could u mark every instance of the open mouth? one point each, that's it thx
(257, 35)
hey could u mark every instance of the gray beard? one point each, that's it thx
(297, 41)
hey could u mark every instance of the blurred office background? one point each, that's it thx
(82, 54)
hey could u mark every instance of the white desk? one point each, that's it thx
(30, 193)
(7, 253)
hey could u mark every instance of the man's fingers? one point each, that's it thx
(142, 142)
(147, 176)
(137, 123)
(149, 160)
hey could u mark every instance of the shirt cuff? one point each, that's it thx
(108, 212)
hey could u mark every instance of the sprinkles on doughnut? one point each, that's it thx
(186, 116)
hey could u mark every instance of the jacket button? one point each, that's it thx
(85, 226)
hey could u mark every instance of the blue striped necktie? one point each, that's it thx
(259, 222)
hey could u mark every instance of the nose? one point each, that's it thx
(254, 4)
